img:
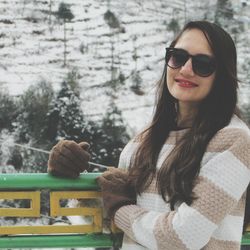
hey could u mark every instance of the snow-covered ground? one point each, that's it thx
(31, 48)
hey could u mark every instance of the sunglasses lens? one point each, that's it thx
(203, 65)
(177, 58)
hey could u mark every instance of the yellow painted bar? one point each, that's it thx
(53, 229)
(57, 210)
(76, 194)
(33, 211)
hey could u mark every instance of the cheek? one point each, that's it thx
(170, 77)
(207, 87)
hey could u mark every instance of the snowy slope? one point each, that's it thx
(31, 48)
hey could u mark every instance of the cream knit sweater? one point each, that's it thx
(214, 220)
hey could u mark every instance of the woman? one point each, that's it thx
(186, 175)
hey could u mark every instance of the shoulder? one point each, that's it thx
(236, 125)
(235, 138)
(235, 131)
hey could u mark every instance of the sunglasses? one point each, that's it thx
(203, 65)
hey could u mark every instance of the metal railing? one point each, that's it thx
(29, 187)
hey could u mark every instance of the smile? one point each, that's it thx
(185, 83)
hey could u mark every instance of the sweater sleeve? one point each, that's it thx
(220, 185)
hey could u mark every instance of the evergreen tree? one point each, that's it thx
(65, 117)
(66, 15)
(8, 111)
(224, 16)
(136, 78)
(173, 26)
(33, 107)
(111, 19)
(224, 13)
(30, 129)
(114, 136)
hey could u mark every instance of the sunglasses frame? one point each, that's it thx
(212, 61)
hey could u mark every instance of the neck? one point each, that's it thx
(185, 114)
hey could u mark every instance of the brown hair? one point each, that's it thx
(176, 177)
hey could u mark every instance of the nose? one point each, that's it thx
(187, 68)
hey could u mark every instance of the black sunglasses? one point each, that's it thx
(203, 65)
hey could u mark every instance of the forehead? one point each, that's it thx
(195, 42)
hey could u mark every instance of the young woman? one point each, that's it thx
(186, 175)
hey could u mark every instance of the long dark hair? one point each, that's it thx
(176, 177)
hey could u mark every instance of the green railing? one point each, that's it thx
(28, 186)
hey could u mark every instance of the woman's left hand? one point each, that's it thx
(117, 190)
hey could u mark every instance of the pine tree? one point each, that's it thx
(224, 13)
(174, 26)
(224, 16)
(136, 78)
(65, 117)
(30, 128)
(114, 136)
(8, 111)
(32, 108)
(66, 15)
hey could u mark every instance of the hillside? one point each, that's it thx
(114, 48)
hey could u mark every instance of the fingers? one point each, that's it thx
(76, 157)
(60, 164)
(115, 170)
(105, 184)
(60, 157)
(115, 174)
(67, 158)
(84, 145)
(79, 157)
(113, 179)
(63, 172)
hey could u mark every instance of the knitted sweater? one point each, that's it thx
(214, 220)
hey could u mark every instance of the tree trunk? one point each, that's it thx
(65, 46)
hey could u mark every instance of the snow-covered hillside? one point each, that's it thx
(31, 48)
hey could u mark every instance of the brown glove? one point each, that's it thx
(68, 159)
(117, 190)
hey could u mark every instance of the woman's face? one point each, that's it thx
(183, 84)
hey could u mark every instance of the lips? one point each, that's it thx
(185, 83)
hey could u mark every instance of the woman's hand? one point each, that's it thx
(117, 190)
(68, 159)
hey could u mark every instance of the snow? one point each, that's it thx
(34, 50)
